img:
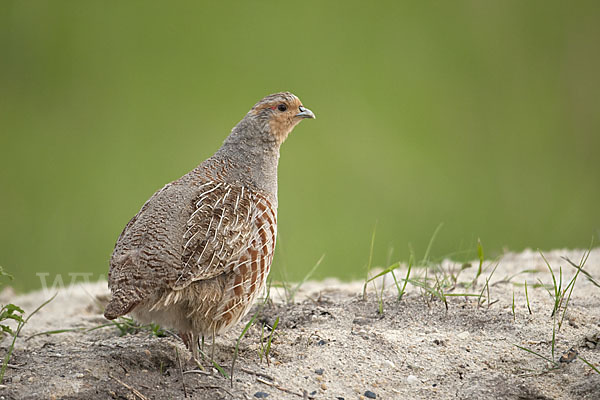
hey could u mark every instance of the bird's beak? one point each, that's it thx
(305, 113)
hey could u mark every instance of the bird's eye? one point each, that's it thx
(282, 107)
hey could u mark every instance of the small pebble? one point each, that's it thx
(389, 363)
(359, 332)
(79, 375)
(463, 335)
(319, 371)
(323, 386)
(593, 338)
(361, 321)
(411, 379)
(370, 395)
(261, 395)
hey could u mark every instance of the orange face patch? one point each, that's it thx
(282, 123)
(283, 111)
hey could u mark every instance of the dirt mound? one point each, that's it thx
(331, 343)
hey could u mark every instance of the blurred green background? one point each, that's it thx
(482, 115)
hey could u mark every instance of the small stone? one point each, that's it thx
(573, 324)
(361, 321)
(319, 371)
(323, 386)
(360, 332)
(389, 364)
(79, 375)
(592, 337)
(147, 352)
(463, 335)
(261, 395)
(411, 380)
(370, 395)
(569, 356)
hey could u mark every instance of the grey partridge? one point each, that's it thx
(198, 252)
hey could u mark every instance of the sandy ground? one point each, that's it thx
(332, 344)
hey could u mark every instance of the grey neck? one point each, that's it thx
(254, 154)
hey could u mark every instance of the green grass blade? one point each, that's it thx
(20, 326)
(270, 340)
(538, 355)
(54, 332)
(41, 306)
(239, 339)
(370, 261)
(430, 245)
(589, 364)
(407, 277)
(480, 255)
(220, 369)
(527, 298)
(555, 286)
(293, 292)
(553, 336)
(389, 269)
(582, 262)
(513, 306)
(572, 285)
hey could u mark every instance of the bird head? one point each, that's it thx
(281, 112)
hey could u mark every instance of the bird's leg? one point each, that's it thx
(194, 344)
(201, 349)
(191, 343)
(195, 358)
(212, 352)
